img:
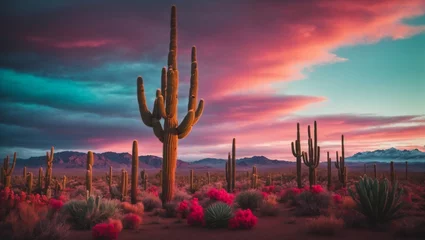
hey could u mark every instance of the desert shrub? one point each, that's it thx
(327, 226)
(27, 222)
(250, 199)
(377, 200)
(218, 215)
(117, 224)
(196, 213)
(183, 209)
(312, 202)
(150, 202)
(83, 214)
(137, 208)
(105, 231)
(243, 219)
(288, 195)
(131, 221)
(221, 196)
(181, 195)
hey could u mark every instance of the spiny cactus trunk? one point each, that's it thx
(296, 151)
(24, 173)
(406, 171)
(169, 166)
(392, 172)
(229, 173)
(29, 179)
(233, 164)
(49, 169)
(134, 172)
(89, 172)
(329, 172)
(191, 180)
(374, 171)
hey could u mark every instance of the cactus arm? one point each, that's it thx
(164, 83)
(193, 90)
(10, 170)
(186, 125)
(145, 114)
(161, 107)
(158, 130)
(317, 161)
(305, 159)
(199, 111)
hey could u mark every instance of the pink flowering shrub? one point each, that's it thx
(243, 219)
(131, 221)
(337, 199)
(117, 224)
(196, 214)
(316, 189)
(183, 209)
(55, 204)
(153, 190)
(104, 231)
(10, 201)
(220, 195)
(288, 195)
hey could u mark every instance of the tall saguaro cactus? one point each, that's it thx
(233, 163)
(7, 171)
(49, 169)
(312, 159)
(296, 151)
(165, 107)
(29, 180)
(254, 177)
(329, 172)
(134, 172)
(89, 173)
(231, 168)
(340, 165)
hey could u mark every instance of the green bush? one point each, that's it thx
(250, 199)
(377, 200)
(84, 214)
(218, 215)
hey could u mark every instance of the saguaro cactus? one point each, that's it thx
(392, 172)
(89, 173)
(233, 163)
(172, 130)
(312, 159)
(406, 171)
(134, 172)
(208, 178)
(191, 180)
(144, 177)
(24, 172)
(329, 172)
(49, 169)
(254, 177)
(296, 151)
(7, 171)
(340, 165)
(374, 170)
(29, 179)
(109, 177)
(40, 178)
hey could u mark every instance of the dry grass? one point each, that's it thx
(325, 226)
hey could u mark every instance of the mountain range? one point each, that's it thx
(72, 159)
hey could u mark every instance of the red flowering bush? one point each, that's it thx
(153, 190)
(337, 198)
(269, 189)
(220, 195)
(10, 201)
(196, 214)
(316, 189)
(104, 231)
(117, 224)
(183, 209)
(264, 194)
(131, 221)
(288, 195)
(243, 219)
(55, 204)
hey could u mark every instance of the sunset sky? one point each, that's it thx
(68, 73)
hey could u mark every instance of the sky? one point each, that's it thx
(68, 73)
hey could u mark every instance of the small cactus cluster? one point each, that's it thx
(6, 171)
(231, 168)
(312, 159)
(340, 165)
(254, 177)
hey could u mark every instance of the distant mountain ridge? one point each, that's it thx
(72, 159)
(389, 154)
